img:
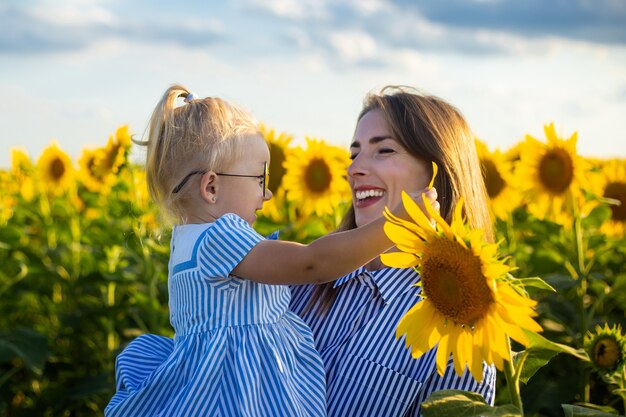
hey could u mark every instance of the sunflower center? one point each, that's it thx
(493, 180)
(556, 170)
(617, 190)
(277, 171)
(57, 169)
(453, 281)
(606, 353)
(317, 176)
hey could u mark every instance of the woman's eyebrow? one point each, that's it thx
(373, 140)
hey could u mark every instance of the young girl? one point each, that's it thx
(238, 351)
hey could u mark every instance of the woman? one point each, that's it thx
(368, 372)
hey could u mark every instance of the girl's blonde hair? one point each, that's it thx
(200, 134)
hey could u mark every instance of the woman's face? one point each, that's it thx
(381, 169)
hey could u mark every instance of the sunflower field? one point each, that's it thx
(84, 257)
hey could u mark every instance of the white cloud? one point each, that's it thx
(368, 7)
(353, 46)
(70, 12)
(293, 9)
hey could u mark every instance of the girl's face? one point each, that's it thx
(243, 196)
(381, 169)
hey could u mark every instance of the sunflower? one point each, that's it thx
(513, 153)
(115, 153)
(614, 186)
(7, 198)
(497, 171)
(94, 179)
(551, 175)
(468, 308)
(22, 173)
(315, 178)
(279, 146)
(606, 348)
(55, 169)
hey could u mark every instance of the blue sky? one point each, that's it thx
(74, 70)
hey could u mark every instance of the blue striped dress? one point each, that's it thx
(368, 371)
(237, 351)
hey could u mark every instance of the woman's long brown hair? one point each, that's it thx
(433, 130)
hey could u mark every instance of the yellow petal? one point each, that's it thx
(514, 331)
(400, 235)
(496, 338)
(416, 213)
(476, 366)
(399, 259)
(445, 228)
(463, 348)
(458, 367)
(418, 230)
(443, 353)
(412, 325)
(511, 297)
(432, 180)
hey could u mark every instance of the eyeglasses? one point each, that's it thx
(264, 178)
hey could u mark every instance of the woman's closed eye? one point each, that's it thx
(386, 150)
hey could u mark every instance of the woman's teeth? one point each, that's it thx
(360, 195)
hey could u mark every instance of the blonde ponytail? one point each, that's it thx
(201, 134)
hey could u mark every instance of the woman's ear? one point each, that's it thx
(209, 187)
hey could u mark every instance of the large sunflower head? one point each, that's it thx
(552, 174)
(469, 308)
(55, 170)
(315, 177)
(279, 146)
(606, 348)
(497, 171)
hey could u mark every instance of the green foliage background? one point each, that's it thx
(84, 272)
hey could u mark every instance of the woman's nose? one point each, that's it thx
(268, 194)
(357, 167)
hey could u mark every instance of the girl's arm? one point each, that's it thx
(325, 259)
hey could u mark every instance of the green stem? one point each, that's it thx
(512, 382)
(520, 365)
(622, 386)
(582, 291)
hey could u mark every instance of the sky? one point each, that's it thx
(75, 70)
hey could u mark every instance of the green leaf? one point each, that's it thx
(27, 345)
(93, 385)
(538, 342)
(539, 352)
(597, 216)
(576, 411)
(535, 282)
(459, 403)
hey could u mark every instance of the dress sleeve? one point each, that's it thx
(225, 244)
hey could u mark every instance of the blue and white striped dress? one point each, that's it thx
(368, 371)
(238, 351)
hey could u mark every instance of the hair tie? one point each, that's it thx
(190, 96)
